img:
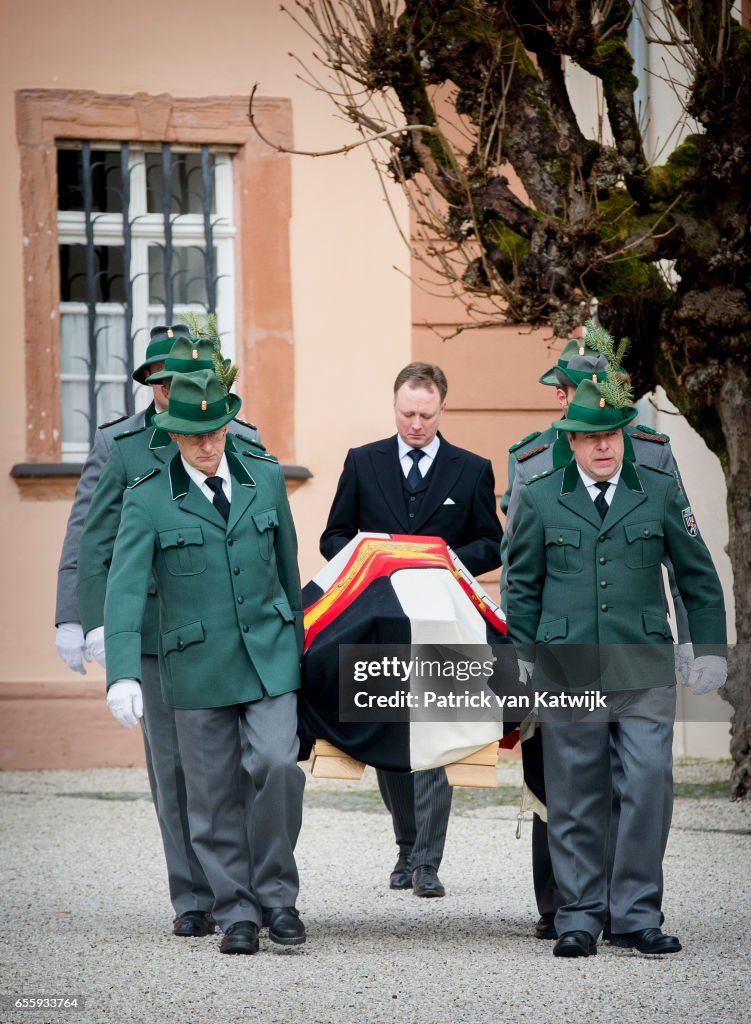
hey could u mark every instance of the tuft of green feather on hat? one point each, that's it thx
(206, 326)
(616, 388)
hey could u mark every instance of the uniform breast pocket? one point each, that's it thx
(563, 550)
(266, 524)
(183, 551)
(645, 544)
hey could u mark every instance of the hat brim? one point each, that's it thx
(550, 378)
(577, 376)
(582, 427)
(176, 425)
(160, 375)
(140, 375)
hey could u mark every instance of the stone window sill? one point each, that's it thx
(50, 481)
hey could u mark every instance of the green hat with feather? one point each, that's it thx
(588, 358)
(186, 356)
(597, 407)
(199, 403)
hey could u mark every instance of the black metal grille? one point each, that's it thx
(97, 184)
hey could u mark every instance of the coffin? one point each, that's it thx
(384, 590)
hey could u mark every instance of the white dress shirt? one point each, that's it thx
(199, 479)
(593, 490)
(429, 453)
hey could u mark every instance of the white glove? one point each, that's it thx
(71, 645)
(684, 660)
(525, 670)
(707, 674)
(95, 644)
(125, 701)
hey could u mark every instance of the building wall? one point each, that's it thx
(356, 320)
(347, 299)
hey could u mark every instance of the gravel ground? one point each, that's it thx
(85, 914)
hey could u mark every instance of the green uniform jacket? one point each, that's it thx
(230, 607)
(576, 579)
(133, 455)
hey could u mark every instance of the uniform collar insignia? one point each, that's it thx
(159, 439)
(238, 470)
(630, 477)
(570, 478)
(179, 481)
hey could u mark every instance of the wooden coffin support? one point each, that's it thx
(477, 769)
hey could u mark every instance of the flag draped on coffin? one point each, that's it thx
(390, 589)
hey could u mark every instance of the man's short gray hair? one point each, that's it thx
(423, 375)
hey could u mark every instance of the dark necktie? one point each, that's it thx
(219, 500)
(414, 477)
(600, 504)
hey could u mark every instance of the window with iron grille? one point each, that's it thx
(145, 233)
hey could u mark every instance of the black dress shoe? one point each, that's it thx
(648, 940)
(575, 944)
(241, 937)
(545, 927)
(194, 924)
(607, 928)
(285, 926)
(425, 881)
(401, 876)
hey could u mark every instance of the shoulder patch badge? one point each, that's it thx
(129, 433)
(689, 521)
(523, 456)
(111, 423)
(244, 423)
(263, 455)
(250, 440)
(524, 440)
(140, 479)
(540, 476)
(649, 434)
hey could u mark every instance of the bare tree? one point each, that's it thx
(464, 92)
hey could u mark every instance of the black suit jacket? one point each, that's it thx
(370, 497)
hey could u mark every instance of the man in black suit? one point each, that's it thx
(418, 483)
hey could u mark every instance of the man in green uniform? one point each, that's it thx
(538, 453)
(214, 527)
(585, 570)
(136, 448)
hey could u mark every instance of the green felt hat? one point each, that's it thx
(186, 356)
(589, 413)
(576, 363)
(198, 404)
(161, 340)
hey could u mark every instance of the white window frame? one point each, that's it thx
(146, 229)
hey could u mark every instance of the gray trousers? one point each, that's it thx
(579, 788)
(188, 886)
(419, 804)
(223, 750)
(543, 879)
